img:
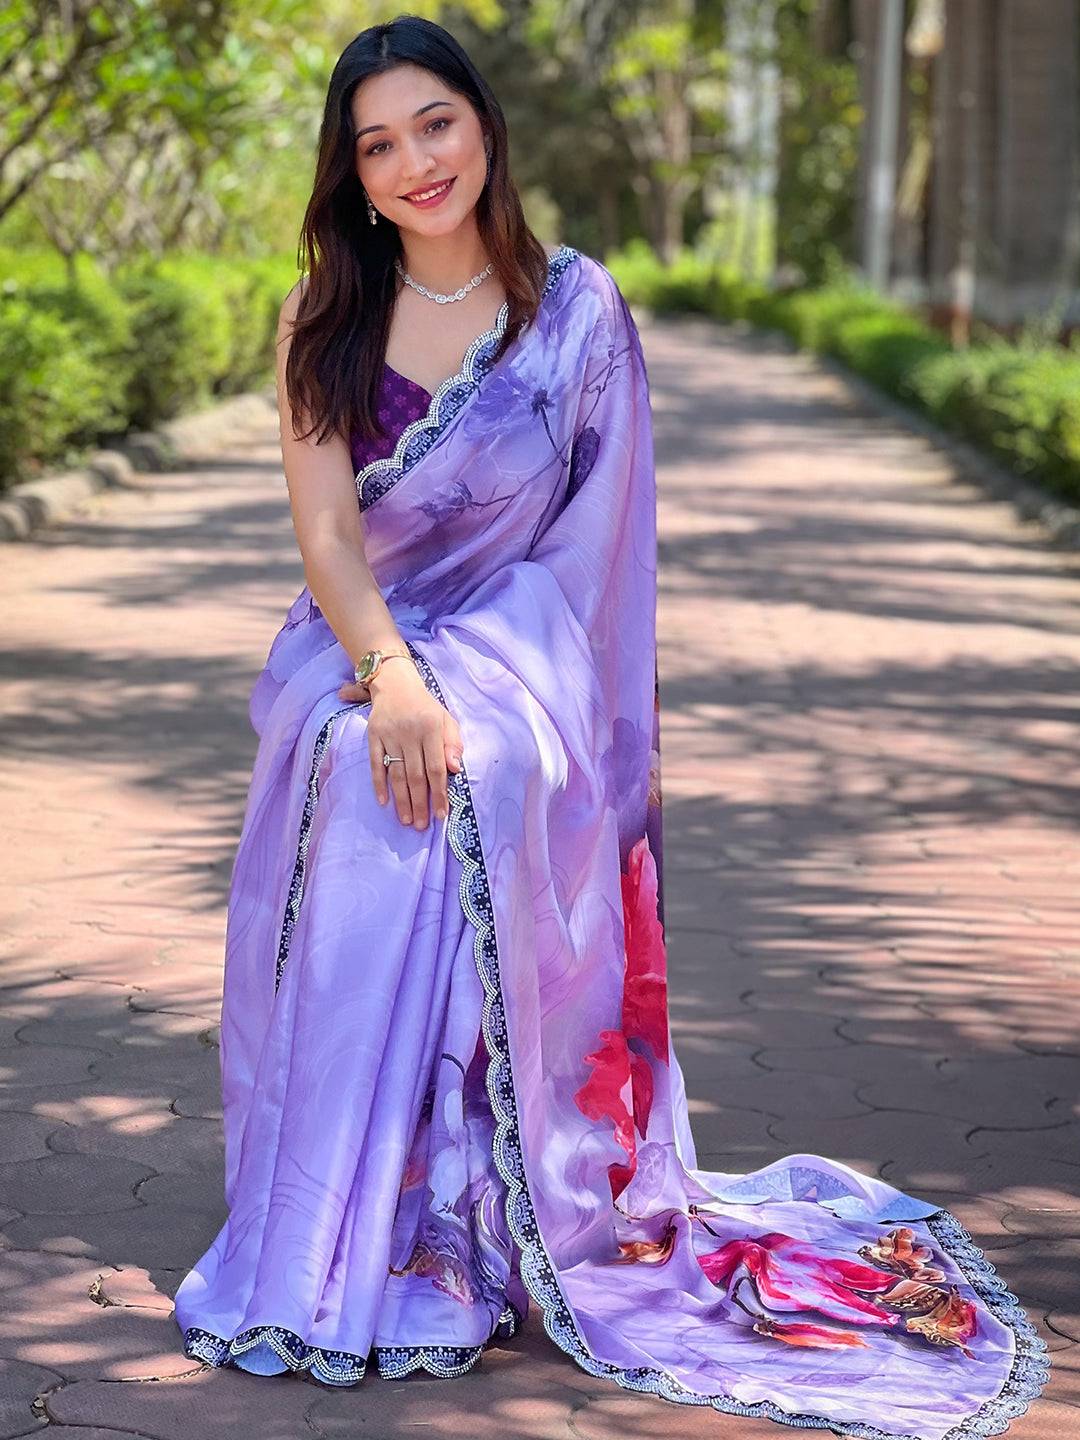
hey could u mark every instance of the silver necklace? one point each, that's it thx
(454, 295)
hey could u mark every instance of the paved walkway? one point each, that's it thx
(872, 804)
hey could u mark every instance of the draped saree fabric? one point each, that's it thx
(450, 1089)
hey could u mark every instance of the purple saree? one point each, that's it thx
(448, 1079)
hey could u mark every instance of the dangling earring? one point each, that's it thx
(372, 213)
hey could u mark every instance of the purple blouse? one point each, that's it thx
(401, 401)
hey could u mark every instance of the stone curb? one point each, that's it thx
(28, 507)
(1031, 502)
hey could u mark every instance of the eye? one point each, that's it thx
(441, 120)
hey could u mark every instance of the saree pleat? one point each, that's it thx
(456, 1092)
(330, 1249)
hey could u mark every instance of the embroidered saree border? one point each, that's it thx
(333, 1367)
(343, 1367)
(379, 476)
(1028, 1373)
(296, 884)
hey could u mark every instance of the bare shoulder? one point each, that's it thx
(552, 250)
(291, 304)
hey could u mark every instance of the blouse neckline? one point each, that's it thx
(379, 476)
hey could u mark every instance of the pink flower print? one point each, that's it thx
(641, 1084)
(608, 1095)
(791, 1274)
(444, 1270)
(645, 1015)
(820, 1337)
(621, 1086)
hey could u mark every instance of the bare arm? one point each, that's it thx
(405, 718)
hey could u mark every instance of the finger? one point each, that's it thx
(351, 690)
(378, 769)
(436, 775)
(416, 774)
(452, 746)
(399, 784)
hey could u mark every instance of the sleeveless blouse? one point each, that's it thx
(401, 401)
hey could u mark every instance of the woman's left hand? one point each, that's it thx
(395, 715)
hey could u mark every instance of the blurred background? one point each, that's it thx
(893, 182)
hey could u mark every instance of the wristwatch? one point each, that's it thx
(370, 661)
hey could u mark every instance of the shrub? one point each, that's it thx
(86, 356)
(47, 388)
(99, 325)
(182, 337)
(1020, 402)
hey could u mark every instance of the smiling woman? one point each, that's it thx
(413, 199)
(449, 1082)
(433, 161)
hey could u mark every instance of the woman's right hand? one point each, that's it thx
(405, 719)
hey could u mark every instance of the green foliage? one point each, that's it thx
(819, 147)
(233, 309)
(269, 280)
(682, 285)
(87, 357)
(99, 326)
(887, 348)
(48, 389)
(644, 85)
(25, 267)
(182, 337)
(1020, 402)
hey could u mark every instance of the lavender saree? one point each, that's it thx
(448, 1077)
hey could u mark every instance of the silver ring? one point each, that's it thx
(386, 759)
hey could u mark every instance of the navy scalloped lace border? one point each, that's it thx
(1029, 1371)
(333, 1367)
(342, 1367)
(380, 476)
(296, 883)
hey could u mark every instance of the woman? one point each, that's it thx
(448, 1079)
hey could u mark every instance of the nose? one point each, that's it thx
(416, 163)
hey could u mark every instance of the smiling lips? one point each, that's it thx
(431, 195)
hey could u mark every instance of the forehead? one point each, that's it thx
(392, 97)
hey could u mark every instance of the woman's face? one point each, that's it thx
(413, 134)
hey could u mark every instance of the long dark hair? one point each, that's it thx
(343, 319)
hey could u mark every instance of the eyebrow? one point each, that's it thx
(416, 115)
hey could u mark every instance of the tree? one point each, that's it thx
(658, 69)
(819, 132)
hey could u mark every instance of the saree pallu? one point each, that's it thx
(448, 1077)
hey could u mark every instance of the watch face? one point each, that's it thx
(366, 665)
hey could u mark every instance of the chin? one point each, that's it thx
(433, 221)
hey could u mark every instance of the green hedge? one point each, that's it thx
(46, 387)
(1020, 402)
(85, 357)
